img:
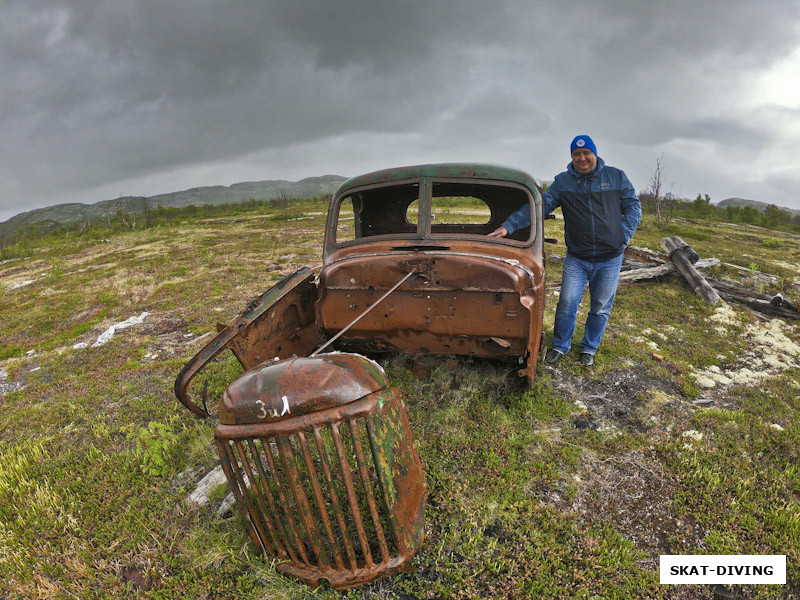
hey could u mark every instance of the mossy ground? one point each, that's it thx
(97, 457)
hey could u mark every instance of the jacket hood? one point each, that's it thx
(599, 167)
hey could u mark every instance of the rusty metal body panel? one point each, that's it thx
(470, 294)
(455, 303)
(298, 386)
(279, 323)
(334, 487)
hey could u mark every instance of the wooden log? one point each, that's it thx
(675, 244)
(680, 257)
(662, 270)
(759, 302)
(780, 300)
(644, 254)
(631, 265)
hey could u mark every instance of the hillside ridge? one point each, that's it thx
(761, 206)
(75, 212)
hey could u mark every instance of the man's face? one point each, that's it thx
(583, 160)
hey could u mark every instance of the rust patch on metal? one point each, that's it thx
(298, 386)
(335, 489)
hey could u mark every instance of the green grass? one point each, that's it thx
(98, 456)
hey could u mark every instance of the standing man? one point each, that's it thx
(601, 214)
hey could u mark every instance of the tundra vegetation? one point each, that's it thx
(696, 448)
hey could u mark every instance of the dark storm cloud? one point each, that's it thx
(146, 86)
(100, 92)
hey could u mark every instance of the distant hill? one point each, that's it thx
(65, 214)
(761, 206)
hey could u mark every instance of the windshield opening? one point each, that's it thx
(379, 211)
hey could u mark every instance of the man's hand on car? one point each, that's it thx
(499, 232)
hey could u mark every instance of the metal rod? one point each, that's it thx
(323, 511)
(227, 457)
(379, 458)
(373, 509)
(285, 538)
(297, 539)
(244, 497)
(337, 508)
(267, 515)
(263, 513)
(359, 317)
(344, 468)
(301, 502)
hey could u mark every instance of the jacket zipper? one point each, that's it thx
(587, 182)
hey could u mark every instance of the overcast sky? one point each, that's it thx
(100, 99)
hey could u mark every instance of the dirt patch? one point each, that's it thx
(171, 336)
(108, 265)
(631, 490)
(6, 386)
(26, 278)
(634, 492)
(162, 323)
(628, 399)
(81, 316)
(12, 270)
(174, 344)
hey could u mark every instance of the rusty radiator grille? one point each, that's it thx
(314, 497)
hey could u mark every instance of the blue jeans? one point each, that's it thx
(602, 278)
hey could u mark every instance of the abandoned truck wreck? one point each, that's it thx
(315, 445)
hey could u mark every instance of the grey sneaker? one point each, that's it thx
(552, 356)
(587, 360)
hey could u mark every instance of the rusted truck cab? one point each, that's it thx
(469, 294)
(462, 292)
(316, 447)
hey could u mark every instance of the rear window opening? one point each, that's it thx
(475, 208)
(459, 210)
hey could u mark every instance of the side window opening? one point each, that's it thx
(412, 212)
(346, 219)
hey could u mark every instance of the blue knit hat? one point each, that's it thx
(583, 141)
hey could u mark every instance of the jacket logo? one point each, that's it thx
(605, 186)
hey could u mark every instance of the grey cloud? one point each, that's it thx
(107, 91)
(786, 181)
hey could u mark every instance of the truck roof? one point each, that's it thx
(444, 170)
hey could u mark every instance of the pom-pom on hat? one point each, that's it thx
(582, 141)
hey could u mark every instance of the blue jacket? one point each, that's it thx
(601, 211)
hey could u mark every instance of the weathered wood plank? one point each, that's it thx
(763, 303)
(680, 254)
(662, 270)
